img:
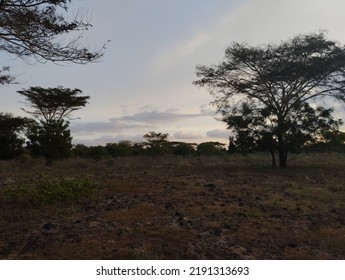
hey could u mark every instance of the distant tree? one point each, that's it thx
(123, 148)
(328, 141)
(182, 148)
(210, 148)
(97, 152)
(138, 149)
(49, 136)
(11, 141)
(34, 28)
(157, 143)
(334, 137)
(51, 140)
(80, 150)
(274, 86)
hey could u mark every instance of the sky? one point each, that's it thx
(144, 81)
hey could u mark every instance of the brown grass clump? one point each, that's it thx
(231, 207)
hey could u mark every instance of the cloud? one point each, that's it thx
(187, 135)
(113, 125)
(154, 117)
(219, 134)
(120, 137)
(146, 120)
(178, 52)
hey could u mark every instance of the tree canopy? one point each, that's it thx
(274, 90)
(10, 139)
(157, 143)
(53, 104)
(34, 28)
(50, 136)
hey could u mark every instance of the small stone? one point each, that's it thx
(211, 187)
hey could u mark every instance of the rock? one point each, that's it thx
(211, 187)
(48, 226)
(180, 215)
(292, 245)
(168, 205)
(216, 231)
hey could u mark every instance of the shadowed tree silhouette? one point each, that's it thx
(11, 142)
(269, 89)
(49, 136)
(34, 29)
(157, 143)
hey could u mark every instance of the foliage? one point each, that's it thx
(157, 143)
(268, 90)
(51, 140)
(11, 143)
(254, 133)
(53, 104)
(210, 148)
(97, 152)
(33, 28)
(50, 136)
(334, 137)
(329, 141)
(122, 148)
(80, 150)
(182, 149)
(6, 79)
(50, 191)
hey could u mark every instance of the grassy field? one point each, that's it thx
(231, 207)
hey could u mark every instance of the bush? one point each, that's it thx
(50, 191)
(210, 148)
(97, 152)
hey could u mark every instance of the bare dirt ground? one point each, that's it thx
(230, 207)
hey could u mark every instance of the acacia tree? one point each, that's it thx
(52, 108)
(277, 84)
(157, 143)
(34, 28)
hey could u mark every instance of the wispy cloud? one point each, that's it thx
(146, 120)
(112, 125)
(154, 117)
(219, 134)
(187, 135)
(176, 53)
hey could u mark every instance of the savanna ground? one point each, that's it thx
(230, 207)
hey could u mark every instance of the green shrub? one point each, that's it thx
(50, 191)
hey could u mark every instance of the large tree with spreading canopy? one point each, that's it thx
(49, 135)
(271, 95)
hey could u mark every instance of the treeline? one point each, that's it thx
(155, 144)
(21, 137)
(129, 149)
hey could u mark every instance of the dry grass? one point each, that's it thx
(231, 207)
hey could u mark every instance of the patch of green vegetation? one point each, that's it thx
(49, 191)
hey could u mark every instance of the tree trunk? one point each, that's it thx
(282, 150)
(274, 165)
(282, 158)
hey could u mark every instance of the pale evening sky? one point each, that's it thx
(144, 81)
